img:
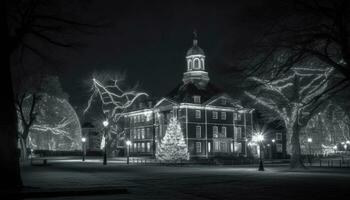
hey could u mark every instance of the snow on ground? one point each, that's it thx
(191, 182)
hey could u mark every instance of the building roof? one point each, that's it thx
(183, 93)
(195, 50)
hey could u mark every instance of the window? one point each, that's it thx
(223, 147)
(279, 148)
(198, 114)
(198, 147)
(237, 133)
(135, 147)
(239, 116)
(148, 147)
(150, 104)
(238, 147)
(142, 133)
(198, 132)
(197, 99)
(223, 130)
(234, 116)
(131, 120)
(196, 64)
(215, 115)
(148, 133)
(138, 133)
(131, 133)
(209, 147)
(216, 146)
(143, 147)
(215, 131)
(223, 115)
(278, 136)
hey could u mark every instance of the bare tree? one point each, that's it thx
(28, 101)
(288, 98)
(28, 24)
(314, 29)
(114, 101)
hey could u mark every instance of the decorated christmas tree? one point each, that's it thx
(173, 146)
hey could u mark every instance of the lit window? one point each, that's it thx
(279, 136)
(237, 133)
(135, 147)
(216, 146)
(234, 116)
(142, 133)
(209, 147)
(196, 64)
(198, 114)
(143, 147)
(223, 115)
(239, 116)
(197, 99)
(148, 147)
(215, 115)
(215, 131)
(198, 132)
(223, 130)
(198, 147)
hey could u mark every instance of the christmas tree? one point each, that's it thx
(172, 146)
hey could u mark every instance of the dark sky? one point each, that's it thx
(149, 41)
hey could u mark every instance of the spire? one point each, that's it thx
(195, 36)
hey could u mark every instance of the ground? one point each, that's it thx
(189, 182)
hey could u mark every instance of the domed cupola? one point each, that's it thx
(195, 64)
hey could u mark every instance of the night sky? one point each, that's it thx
(149, 41)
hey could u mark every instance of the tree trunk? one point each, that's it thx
(24, 153)
(9, 153)
(296, 160)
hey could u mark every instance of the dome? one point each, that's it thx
(195, 50)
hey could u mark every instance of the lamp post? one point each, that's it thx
(83, 140)
(273, 146)
(309, 141)
(259, 138)
(105, 124)
(128, 143)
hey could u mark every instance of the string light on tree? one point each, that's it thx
(172, 147)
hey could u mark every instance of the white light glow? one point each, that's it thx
(258, 137)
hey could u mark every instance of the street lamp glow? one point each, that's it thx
(335, 147)
(347, 142)
(128, 142)
(273, 140)
(105, 123)
(258, 137)
(309, 140)
(83, 139)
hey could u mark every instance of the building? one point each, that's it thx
(213, 123)
(93, 137)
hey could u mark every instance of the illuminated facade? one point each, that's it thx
(213, 123)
